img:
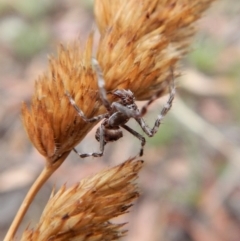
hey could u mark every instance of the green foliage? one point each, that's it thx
(30, 40)
(234, 70)
(204, 55)
(33, 9)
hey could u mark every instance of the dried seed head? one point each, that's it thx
(141, 40)
(83, 211)
(52, 123)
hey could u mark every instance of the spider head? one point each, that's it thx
(126, 96)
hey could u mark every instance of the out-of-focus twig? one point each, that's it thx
(223, 186)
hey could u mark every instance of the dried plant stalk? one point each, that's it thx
(51, 123)
(42, 178)
(83, 211)
(140, 41)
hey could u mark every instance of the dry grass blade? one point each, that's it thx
(83, 211)
(141, 40)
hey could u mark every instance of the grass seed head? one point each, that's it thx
(52, 123)
(142, 40)
(83, 212)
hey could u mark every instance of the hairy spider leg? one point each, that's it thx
(123, 109)
(101, 84)
(102, 144)
(151, 132)
(80, 112)
(136, 134)
(158, 94)
(103, 95)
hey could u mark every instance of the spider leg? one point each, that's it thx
(123, 109)
(159, 93)
(80, 112)
(101, 84)
(151, 132)
(140, 137)
(95, 154)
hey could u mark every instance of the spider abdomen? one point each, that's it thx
(110, 134)
(117, 119)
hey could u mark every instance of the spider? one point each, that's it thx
(119, 112)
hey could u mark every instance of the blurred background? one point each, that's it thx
(190, 183)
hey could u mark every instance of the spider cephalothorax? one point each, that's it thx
(126, 97)
(117, 116)
(119, 112)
